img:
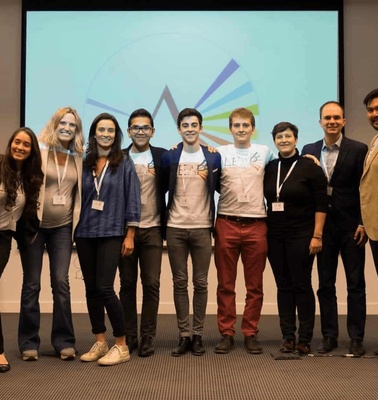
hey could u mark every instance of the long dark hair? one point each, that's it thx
(30, 175)
(91, 154)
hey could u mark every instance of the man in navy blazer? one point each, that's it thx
(342, 161)
(148, 239)
(190, 175)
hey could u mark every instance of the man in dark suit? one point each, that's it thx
(148, 239)
(342, 161)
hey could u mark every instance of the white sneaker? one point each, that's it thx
(98, 350)
(116, 355)
(30, 355)
(68, 354)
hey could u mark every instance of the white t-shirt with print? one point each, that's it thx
(242, 180)
(145, 169)
(191, 201)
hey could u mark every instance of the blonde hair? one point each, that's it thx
(48, 134)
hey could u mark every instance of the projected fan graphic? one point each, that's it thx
(215, 86)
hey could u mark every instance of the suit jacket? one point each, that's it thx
(369, 193)
(157, 152)
(345, 210)
(170, 161)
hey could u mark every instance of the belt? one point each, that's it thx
(241, 220)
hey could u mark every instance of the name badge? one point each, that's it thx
(329, 190)
(184, 202)
(59, 200)
(143, 199)
(244, 198)
(98, 205)
(278, 206)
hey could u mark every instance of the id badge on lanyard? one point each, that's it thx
(98, 204)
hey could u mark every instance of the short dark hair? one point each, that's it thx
(242, 113)
(282, 126)
(140, 112)
(330, 102)
(189, 112)
(370, 96)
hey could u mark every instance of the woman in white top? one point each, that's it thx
(20, 180)
(61, 143)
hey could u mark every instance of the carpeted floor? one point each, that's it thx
(236, 375)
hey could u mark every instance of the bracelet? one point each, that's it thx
(317, 237)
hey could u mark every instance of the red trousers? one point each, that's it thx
(249, 241)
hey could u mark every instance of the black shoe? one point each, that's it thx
(197, 346)
(326, 345)
(225, 345)
(146, 347)
(132, 343)
(4, 368)
(184, 345)
(287, 346)
(303, 348)
(357, 347)
(376, 352)
(252, 345)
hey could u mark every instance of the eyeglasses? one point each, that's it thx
(135, 129)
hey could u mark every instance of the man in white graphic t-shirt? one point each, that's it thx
(240, 231)
(190, 175)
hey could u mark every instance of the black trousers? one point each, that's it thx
(148, 253)
(292, 266)
(337, 241)
(99, 258)
(374, 251)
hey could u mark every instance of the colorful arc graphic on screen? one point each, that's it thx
(210, 130)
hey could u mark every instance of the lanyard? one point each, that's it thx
(60, 180)
(278, 186)
(95, 179)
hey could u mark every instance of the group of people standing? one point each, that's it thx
(111, 203)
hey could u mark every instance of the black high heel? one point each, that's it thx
(4, 368)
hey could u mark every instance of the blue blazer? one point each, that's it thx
(345, 210)
(169, 163)
(157, 152)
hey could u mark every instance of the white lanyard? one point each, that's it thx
(278, 186)
(60, 181)
(96, 182)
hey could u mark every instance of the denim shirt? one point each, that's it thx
(120, 193)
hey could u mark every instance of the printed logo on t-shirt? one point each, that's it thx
(193, 169)
(243, 161)
(151, 168)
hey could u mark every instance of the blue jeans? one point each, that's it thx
(99, 258)
(59, 247)
(148, 251)
(5, 248)
(197, 242)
